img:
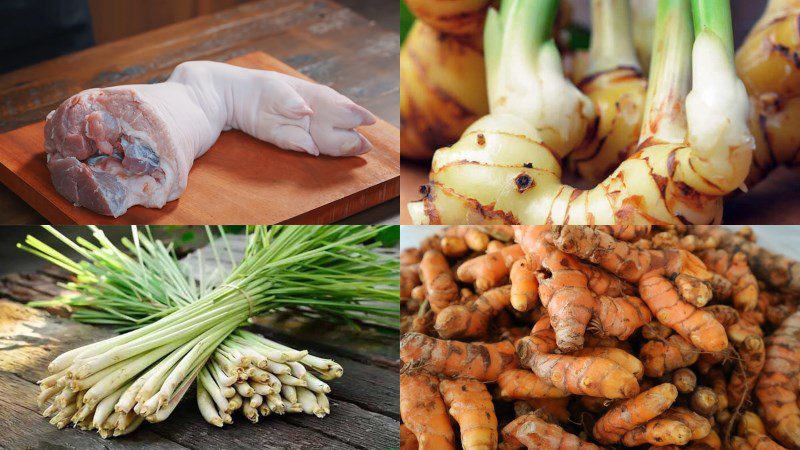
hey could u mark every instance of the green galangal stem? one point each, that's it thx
(612, 38)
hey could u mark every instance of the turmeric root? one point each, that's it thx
(750, 423)
(740, 443)
(777, 388)
(619, 317)
(735, 269)
(522, 384)
(704, 401)
(629, 414)
(658, 432)
(489, 270)
(553, 410)
(710, 442)
(407, 439)
(696, 325)
(693, 291)
(524, 285)
(699, 425)
(685, 380)
(454, 246)
(593, 376)
(470, 404)
(777, 271)
(472, 320)
(534, 433)
(409, 279)
(749, 344)
(423, 412)
(621, 357)
(623, 258)
(440, 287)
(628, 233)
(656, 331)
(567, 297)
(483, 362)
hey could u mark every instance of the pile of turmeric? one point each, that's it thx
(588, 337)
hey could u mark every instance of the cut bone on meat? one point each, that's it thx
(113, 148)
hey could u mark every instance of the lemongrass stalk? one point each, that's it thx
(298, 370)
(180, 372)
(212, 388)
(159, 373)
(241, 337)
(228, 391)
(611, 46)
(272, 353)
(254, 373)
(327, 366)
(106, 406)
(226, 418)
(277, 368)
(315, 385)
(83, 412)
(324, 404)
(261, 388)
(128, 399)
(290, 393)
(50, 410)
(234, 403)
(206, 406)
(148, 406)
(256, 400)
(275, 403)
(250, 413)
(221, 377)
(46, 394)
(292, 381)
(133, 425)
(294, 408)
(163, 337)
(308, 401)
(264, 409)
(125, 420)
(244, 389)
(107, 385)
(166, 410)
(61, 419)
(51, 380)
(66, 397)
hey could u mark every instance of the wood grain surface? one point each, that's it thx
(240, 180)
(321, 39)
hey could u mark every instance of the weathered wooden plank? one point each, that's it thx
(371, 388)
(22, 427)
(30, 339)
(187, 427)
(336, 340)
(29, 286)
(349, 423)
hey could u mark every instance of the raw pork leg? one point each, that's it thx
(113, 148)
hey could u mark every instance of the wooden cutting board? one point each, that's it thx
(240, 180)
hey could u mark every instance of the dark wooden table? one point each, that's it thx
(321, 38)
(365, 409)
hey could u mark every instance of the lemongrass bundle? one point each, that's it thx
(258, 376)
(116, 384)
